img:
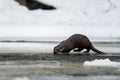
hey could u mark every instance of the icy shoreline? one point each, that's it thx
(47, 47)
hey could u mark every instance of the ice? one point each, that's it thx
(102, 63)
(26, 47)
(24, 78)
(30, 64)
(65, 77)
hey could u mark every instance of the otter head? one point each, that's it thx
(63, 47)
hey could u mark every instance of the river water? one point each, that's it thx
(35, 61)
(55, 70)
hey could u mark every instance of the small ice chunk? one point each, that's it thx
(102, 62)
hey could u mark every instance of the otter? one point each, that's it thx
(77, 43)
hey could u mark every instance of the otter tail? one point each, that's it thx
(96, 50)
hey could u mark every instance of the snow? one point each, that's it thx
(95, 18)
(102, 63)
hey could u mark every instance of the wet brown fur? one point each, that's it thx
(77, 43)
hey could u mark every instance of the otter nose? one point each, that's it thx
(55, 51)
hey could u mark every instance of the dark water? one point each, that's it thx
(72, 57)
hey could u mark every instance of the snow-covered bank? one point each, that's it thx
(68, 12)
(93, 18)
(102, 63)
